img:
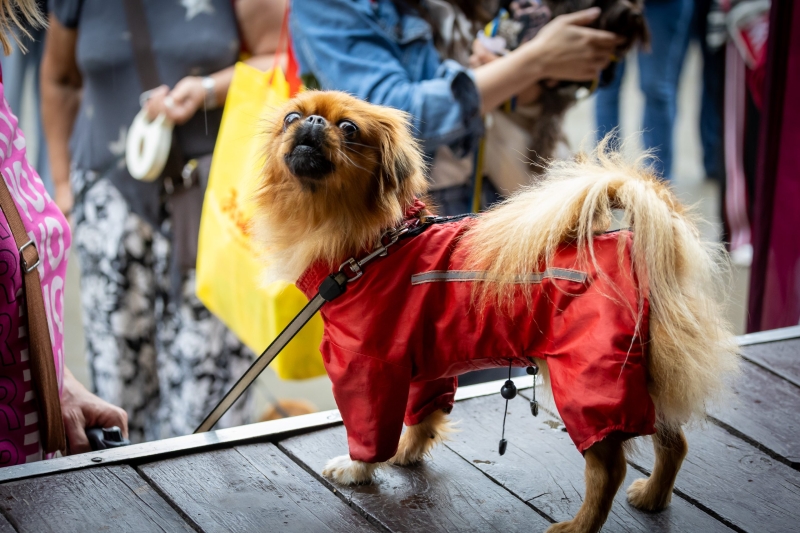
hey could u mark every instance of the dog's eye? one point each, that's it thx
(348, 128)
(291, 117)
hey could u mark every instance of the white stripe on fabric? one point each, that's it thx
(434, 276)
(32, 438)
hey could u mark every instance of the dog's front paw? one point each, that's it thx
(345, 471)
(641, 494)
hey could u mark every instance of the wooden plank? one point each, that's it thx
(111, 498)
(765, 412)
(249, 489)
(782, 358)
(444, 493)
(735, 481)
(542, 466)
(160, 449)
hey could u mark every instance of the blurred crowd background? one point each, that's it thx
(699, 165)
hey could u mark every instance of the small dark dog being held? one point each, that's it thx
(627, 331)
(526, 18)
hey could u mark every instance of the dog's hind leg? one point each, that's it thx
(655, 493)
(605, 471)
(418, 440)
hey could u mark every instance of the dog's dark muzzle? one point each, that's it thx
(308, 158)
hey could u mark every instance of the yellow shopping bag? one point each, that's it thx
(227, 266)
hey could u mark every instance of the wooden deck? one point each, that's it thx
(742, 473)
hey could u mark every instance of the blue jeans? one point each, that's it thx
(712, 104)
(659, 71)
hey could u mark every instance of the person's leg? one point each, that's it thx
(607, 103)
(659, 70)
(711, 113)
(117, 290)
(199, 358)
(713, 95)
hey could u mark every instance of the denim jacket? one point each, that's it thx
(369, 49)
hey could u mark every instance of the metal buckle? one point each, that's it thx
(188, 172)
(355, 269)
(381, 249)
(24, 263)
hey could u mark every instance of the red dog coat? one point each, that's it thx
(396, 340)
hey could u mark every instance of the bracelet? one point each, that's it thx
(210, 101)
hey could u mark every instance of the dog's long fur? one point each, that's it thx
(377, 174)
(691, 349)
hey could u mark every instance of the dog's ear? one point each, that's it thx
(401, 166)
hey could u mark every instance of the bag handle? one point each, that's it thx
(43, 368)
(285, 44)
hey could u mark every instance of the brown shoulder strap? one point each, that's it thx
(43, 369)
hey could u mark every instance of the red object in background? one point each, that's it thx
(775, 276)
(397, 338)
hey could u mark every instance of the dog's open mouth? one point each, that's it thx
(308, 160)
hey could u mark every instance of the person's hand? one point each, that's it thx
(480, 55)
(63, 197)
(180, 104)
(81, 409)
(569, 51)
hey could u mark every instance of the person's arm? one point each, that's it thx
(563, 50)
(346, 48)
(61, 97)
(259, 24)
(80, 409)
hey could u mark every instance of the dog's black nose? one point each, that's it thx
(316, 120)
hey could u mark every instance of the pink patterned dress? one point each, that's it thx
(19, 429)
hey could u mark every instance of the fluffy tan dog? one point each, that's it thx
(340, 172)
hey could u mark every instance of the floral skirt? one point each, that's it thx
(156, 352)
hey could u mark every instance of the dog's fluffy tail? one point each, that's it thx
(691, 350)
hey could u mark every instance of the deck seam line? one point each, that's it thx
(9, 519)
(675, 490)
(754, 443)
(186, 518)
(766, 366)
(372, 520)
(163, 496)
(496, 482)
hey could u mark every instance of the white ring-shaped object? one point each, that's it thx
(147, 146)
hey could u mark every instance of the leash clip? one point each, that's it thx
(388, 238)
(355, 269)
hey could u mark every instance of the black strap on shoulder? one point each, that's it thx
(141, 41)
(147, 68)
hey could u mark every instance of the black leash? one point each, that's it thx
(331, 288)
